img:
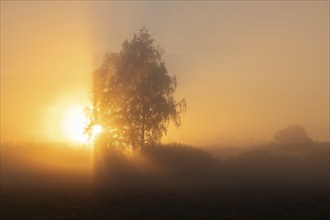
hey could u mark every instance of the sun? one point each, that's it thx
(73, 125)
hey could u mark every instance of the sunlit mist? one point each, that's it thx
(243, 76)
(96, 130)
(74, 122)
(164, 109)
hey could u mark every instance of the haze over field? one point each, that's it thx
(164, 110)
(246, 69)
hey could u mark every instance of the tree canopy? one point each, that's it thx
(133, 94)
(292, 135)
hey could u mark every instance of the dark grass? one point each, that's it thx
(191, 185)
(180, 203)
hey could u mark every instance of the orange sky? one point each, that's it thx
(246, 69)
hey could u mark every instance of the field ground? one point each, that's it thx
(171, 182)
(188, 203)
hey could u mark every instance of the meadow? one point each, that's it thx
(174, 181)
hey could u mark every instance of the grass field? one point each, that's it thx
(220, 203)
(173, 182)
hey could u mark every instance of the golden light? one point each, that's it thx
(96, 130)
(74, 121)
(73, 124)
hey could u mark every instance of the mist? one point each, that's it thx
(164, 110)
(245, 74)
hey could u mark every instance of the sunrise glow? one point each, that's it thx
(73, 124)
(96, 130)
(164, 109)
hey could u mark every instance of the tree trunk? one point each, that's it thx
(143, 123)
(142, 134)
(132, 137)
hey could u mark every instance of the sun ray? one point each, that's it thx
(73, 124)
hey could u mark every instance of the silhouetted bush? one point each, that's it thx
(263, 167)
(182, 160)
(156, 165)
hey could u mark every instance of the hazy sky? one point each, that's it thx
(245, 68)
